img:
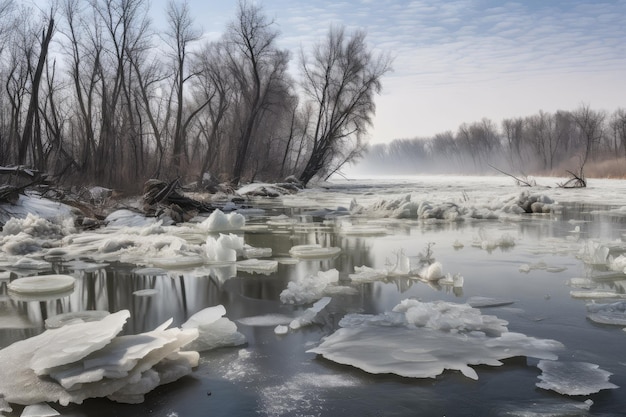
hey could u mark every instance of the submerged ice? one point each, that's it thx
(421, 340)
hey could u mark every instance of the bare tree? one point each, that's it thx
(259, 68)
(590, 124)
(340, 80)
(181, 33)
(618, 128)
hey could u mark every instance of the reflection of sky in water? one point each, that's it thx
(273, 375)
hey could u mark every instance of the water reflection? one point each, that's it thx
(270, 361)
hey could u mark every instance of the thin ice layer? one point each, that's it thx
(573, 378)
(421, 340)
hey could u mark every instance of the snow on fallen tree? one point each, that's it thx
(421, 340)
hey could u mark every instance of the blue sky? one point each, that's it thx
(461, 60)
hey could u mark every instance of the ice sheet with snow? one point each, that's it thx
(421, 340)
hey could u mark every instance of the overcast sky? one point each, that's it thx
(461, 60)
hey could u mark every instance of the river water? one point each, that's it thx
(274, 375)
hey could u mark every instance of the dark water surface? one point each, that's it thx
(273, 375)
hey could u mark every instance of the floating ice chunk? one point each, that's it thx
(76, 317)
(61, 349)
(214, 330)
(71, 343)
(573, 378)
(367, 274)
(34, 226)
(617, 264)
(177, 262)
(613, 313)
(584, 283)
(116, 360)
(259, 266)
(220, 222)
(225, 248)
(281, 330)
(32, 264)
(314, 252)
(41, 287)
(591, 294)
(251, 252)
(458, 245)
(266, 320)
(39, 410)
(309, 288)
(484, 302)
(204, 317)
(421, 340)
(308, 317)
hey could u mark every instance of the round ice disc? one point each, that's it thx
(42, 284)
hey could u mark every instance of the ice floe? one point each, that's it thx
(421, 340)
(310, 288)
(258, 266)
(225, 248)
(90, 358)
(213, 329)
(314, 251)
(41, 287)
(573, 378)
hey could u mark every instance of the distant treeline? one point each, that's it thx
(544, 143)
(91, 91)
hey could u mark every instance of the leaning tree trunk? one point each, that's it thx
(33, 105)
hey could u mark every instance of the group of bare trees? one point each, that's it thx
(541, 143)
(91, 91)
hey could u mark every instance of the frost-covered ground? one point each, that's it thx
(365, 297)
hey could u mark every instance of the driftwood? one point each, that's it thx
(160, 197)
(576, 181)
(519, 181)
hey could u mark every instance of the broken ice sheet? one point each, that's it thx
(421, 340)
(214, 331)
(573, 378)
(611, 313)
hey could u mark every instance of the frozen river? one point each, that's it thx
(447, 300)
